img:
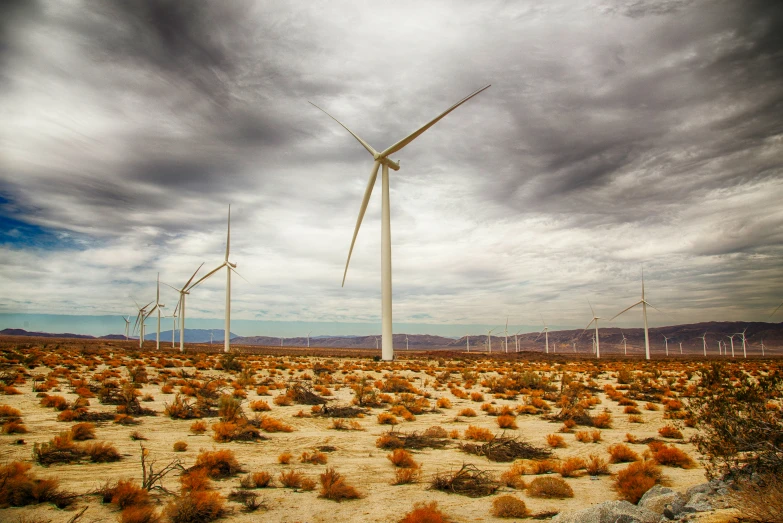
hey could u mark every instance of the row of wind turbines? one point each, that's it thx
(179, 311)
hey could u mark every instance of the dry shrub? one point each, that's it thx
(8, 412)
(334, 487)
(198, 506)
(257, 480)
(241, 430)
(509, 507)
(425, 513)
(595, 435)
(549, 487)
(635, 419)
(597, 466)
(507, 422)
(454, 434)
(556, 441)
(630, 438)
(636, 479)
(218, 463)
(389, 441)
(602, 421)
(198, 427)
(760, 500)
(102, 452)
(291, 479)
(83, 431)
(139, 514)
(180, 446)
(387, 418)
(316, 458)
(631, 410)
(56, 402)
(14, 427)
(194, 479)
(270, 424)
(260, 406)
(19, 489)
(622, 453)
(443, 403)
(138, 436)
(468, 413)
(127, 494)
(667, 431)
(673, 457)
(468, 481)
(401, 458)
(405, 476)
(476, 396)
(285, 458)
(513, 476)
(583, 436)
(478, 434)
(283, 401)
(651, 406)
(542, 466)
(570, 468)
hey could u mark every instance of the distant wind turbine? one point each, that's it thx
(703, 339)
(744, 348)
(382, 158)
(516, 339)
(184, 291)
(545, 332)
(406, 342)
(762, 347)
(625, 345)
(596, 340)
(506, 331)
(140, 322)
(666, 342)
(680, 346)
(308, 339)
(644, 303)
(732, 344)
(127, 326)
(229, 267)
(489, 339)
(376, 343)
(173, 327)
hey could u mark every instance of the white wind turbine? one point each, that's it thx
(625, 344)
(127, 326)
(382, 158)
(703, 339)
(516, 339)
(680, 346)
(173, 327)
(744, 349)
(140, 317)
(545, 332)
(489, 339)
(666, 341)
(308, 339)
(596, 339)
(406, 342)
(185, 290)
(229, 267)
(644, 303)
(732, 344)
(762, 347)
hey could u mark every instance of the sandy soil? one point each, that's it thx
(356, 457)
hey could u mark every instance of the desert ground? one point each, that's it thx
(437, 402)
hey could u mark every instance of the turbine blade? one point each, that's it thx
(364, 144)
(626, 310)
(191, 278)
(362, 209)
(588, 325)
(150, 312)
(157, 296)
(167, 285)
(649, 305)
(179, 302)
(408, 139)
(591, 307)
(213, 271)
(776, 310)
(237, 273)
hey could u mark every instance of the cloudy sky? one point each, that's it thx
(617, 134)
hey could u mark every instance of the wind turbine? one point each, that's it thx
(703, 339)
(762, 347)
(127, 326)
(308, 339)
(516, 339)
(506, 331)
(229, 267)
(376, 343)
(158, 307)
(776, 310)
(680, 346)
(406, 342)
(744, 349)
(545, 332)
(666, 342)
(173, 327)
(382, 158)
(185, 290)
(732, 344)
(596, 341)
(625, 344)
(281, 341)
(644, 303)
(140, 317)
(489, 339)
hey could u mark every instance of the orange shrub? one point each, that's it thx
(422, 513)
(334, 487)
(194, 479)
(651, 406)
(508, 506)
(180, 446)
(667, 431)
(14, 427)
(597, 466)
(595, 435)
(57, 402)
(443, 403)
(386, 418)
(405, 476)
(468, 413)
(101, 452)
(198, 506)
(513, 476)
(673, 457)
(507, 422)
(126, 494)
(260, 406)
(549, 487)
(291, 479)
(270, 424)
(476, 396)
(543, 466)
(83, 431)
(583, 436)
(316, 458)
(283, 401)
(218, 463)
(555, 441)
(621, 453)
(139, 514)
(261, 479)
(401, 458)
(630, 438)
(636, 479)
(570, 468)
(478, 434)
(284, 458)
(602, 421)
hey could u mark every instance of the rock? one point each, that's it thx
(658, 498)
(609, 512)
(704, 488)
(698, 503)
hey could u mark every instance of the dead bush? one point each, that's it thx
(102, 452)
(126, 493)
(291, 479)
(508, 506)
(667, 431)
(334, 487)
(469, 481)
(636, 479)
(405, 476)
(556, 441)
(760, 499)
(316, 458)
(218, 463)
(507, 422)
(18, 488)
(549, 487)
(513, 476)
(198, 506)
(83, 431)
(194, 479)
(671, 456)
(139, 514)
(622, 453)
(505, 449)
(570, 468)
(180, 446)
(401, 458)
(198, 427)
(425, 513)
(597, 466)
(478, 433)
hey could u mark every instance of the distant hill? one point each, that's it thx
(564, 341)
(22, 332)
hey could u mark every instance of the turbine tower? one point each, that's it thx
(762, 347)
(625, 345)
(127, 326)
(140, 319)
(506, 331)
(703, 339)
(229, 267)
(382, 159)
(545, 332)
(596, 340)
(732, 344)
(744, 349)
(516, 339)
(666, 342)
(308, 339)
(644, 303)
(185, 290)
(406, 342)
(489, 339)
